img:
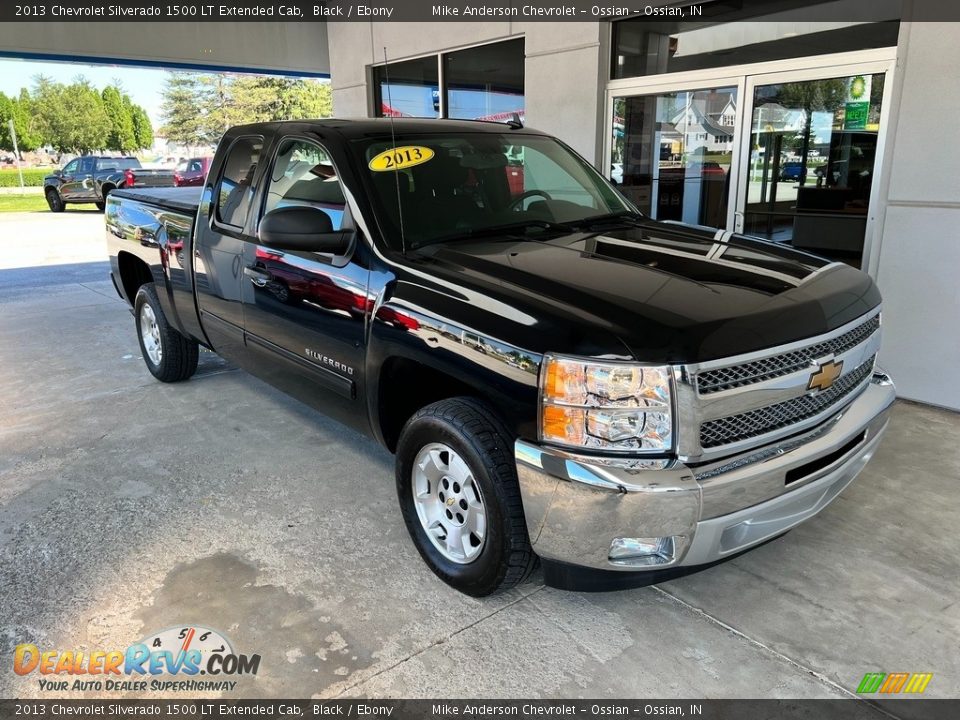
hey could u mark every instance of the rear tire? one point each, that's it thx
(54, 201)
(170, 357)
(460, 499)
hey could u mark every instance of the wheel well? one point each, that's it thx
(134, 272)
(105, 189)
(405, 387)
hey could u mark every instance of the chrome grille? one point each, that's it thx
(734, 376)
(774, 417)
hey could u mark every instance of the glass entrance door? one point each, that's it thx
(674, 153)
(810, 161)
(790, 156)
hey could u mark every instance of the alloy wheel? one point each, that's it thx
(449, 504)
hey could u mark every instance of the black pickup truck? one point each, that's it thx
(560, 378)
(90, 179)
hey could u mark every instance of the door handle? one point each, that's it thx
(257, 277)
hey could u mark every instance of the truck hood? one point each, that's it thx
(668, 292)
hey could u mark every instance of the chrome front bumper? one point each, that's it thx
(576, 506)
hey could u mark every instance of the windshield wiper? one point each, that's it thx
(505, 229)
(619, 217)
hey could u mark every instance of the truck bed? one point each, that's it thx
(183, 200)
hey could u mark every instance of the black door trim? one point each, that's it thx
(325, 376)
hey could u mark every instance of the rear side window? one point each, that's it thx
(236, 182)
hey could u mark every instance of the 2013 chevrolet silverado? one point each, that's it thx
(560, 377)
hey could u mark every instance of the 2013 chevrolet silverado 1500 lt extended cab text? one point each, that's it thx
(90, 179)
(559, 376)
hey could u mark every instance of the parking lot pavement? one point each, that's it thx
(128, 506)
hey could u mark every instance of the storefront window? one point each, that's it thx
(485, 82)
(479, 83)
(413, 89)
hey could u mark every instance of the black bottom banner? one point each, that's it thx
(919, 709)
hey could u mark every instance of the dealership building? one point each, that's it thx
(835, 135)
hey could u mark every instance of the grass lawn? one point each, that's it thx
(22, 203)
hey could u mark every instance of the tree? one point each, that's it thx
(18, 110)
(181, 111)
(223, 104)
(199, 108)
(120, 135)
(6, 114)
(24, 120)
(72, 117)
(142, 127)
(307, 99)
(259, 99)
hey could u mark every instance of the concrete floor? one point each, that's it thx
(128, 506)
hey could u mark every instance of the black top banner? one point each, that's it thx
(479, 11)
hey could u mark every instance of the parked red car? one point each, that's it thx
(192, 173)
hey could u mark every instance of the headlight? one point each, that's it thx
(601, 405)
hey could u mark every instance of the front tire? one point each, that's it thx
(170, 357)
(460, 499)
(105, 193)
(54, 201)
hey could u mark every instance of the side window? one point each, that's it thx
(236, 181)
(303, 174)
(195, 166)
(71, 167)
(86, 165)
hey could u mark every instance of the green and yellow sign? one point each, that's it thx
(858, 103)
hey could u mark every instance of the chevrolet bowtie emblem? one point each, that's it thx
(825, 375)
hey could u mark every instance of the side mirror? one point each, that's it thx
(303, 228)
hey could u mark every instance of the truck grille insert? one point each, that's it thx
(774, 417)
(748, 373)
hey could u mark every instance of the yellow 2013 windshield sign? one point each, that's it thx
(400, 158)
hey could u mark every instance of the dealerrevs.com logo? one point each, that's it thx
(184, 653)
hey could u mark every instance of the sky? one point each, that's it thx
(143, 85)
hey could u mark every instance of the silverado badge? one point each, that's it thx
(825, 375)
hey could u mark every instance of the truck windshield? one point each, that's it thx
(455, 186)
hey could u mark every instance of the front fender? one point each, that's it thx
(500, 373)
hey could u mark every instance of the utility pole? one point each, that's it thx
(16, 154)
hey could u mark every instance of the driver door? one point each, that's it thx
(70, 179)
(305, 312)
